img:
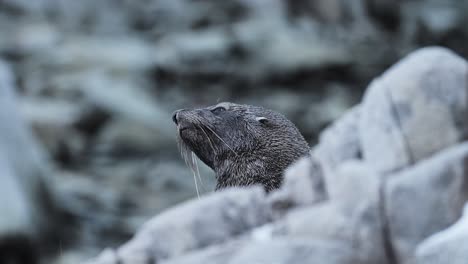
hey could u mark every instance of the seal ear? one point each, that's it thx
(262, 119)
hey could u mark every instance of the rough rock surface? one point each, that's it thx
(303, 185)
(448, 245)
(436, 189)
(389, 208)
(190, 226)
(419, 94)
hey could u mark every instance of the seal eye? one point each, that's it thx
(218, 110)
(262, 119)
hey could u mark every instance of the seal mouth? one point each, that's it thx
(182, 128)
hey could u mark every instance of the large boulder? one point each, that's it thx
(447, 246)
(425, 199)
(340, 141)
(193, 225)
(303, 185)
(351, 216)
(416, 108)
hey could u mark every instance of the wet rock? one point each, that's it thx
(435, 189)
(426, 91)
(450, 244)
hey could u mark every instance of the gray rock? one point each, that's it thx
(33, 38)
(116, 53)
(122, 135)
(323, 221)
(425, 199)
(340, 141)
(280, 251)
(424, 92)
(303, 185)
(108, 256)
(26, 160)
(337, 144)
(52, 122)
(287, 50)
(447, 246)
(17, 212)
(136, 122)
(139, 105)
(352, 215)
(28, 205)
(295, 251)
(212, 255)
(438, 18)
(197, 224)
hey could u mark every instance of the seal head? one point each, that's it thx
(243, 144)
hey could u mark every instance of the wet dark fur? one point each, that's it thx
(243, 144)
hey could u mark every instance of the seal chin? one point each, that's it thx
(182, 128)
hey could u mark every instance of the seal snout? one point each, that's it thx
(182, 119)
(176, 116)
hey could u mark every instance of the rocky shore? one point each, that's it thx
(88, 151)
(386, 183)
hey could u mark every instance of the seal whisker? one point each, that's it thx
(194, 175)
(184, 152)
(190, 160)
(222, 140)
(195, 161)
(207, 137)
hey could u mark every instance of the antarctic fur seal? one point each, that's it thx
(244, 145)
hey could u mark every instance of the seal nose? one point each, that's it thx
(175, 116)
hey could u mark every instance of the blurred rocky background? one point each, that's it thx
(98, 80)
